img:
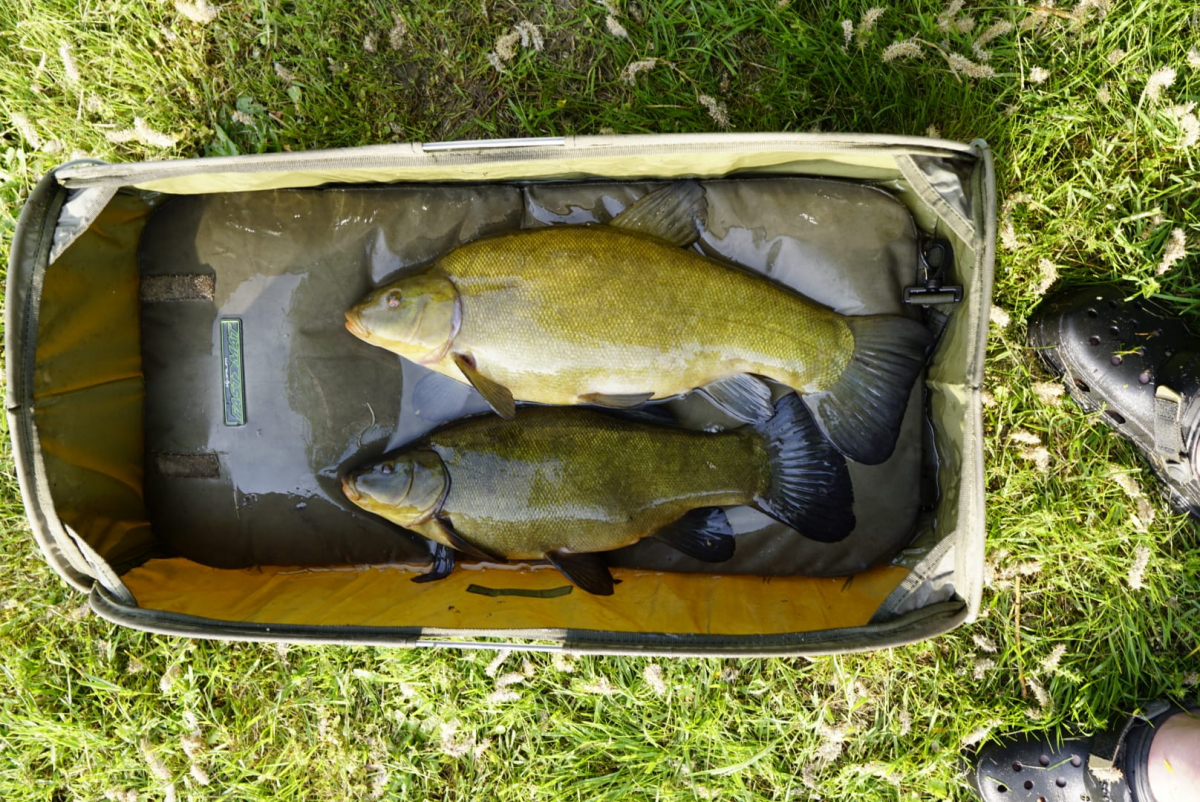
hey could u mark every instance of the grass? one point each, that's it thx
(1096, 179)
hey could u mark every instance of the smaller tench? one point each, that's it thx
(562, 484)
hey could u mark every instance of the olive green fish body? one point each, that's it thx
(559, 313)
(561, 484)
(580, 481)
(620, 314)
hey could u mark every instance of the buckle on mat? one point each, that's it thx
(935, 256)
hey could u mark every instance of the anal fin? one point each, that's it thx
(742, 396)
(703, 533)
(498, 396)
(443, 564)
(619, 401)
(587, 570)
(674, 214)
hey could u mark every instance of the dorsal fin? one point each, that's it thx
(675, 214)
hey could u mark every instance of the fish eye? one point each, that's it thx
(385, 468)
(393, 300)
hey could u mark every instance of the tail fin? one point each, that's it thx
(862, 411)
(810, 484)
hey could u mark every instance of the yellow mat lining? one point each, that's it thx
(386, 596)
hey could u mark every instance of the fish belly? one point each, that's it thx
(581, 481)
(555, 314)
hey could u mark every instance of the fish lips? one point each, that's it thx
(355, 326)
(350, 490)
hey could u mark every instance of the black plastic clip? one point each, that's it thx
(936, 256)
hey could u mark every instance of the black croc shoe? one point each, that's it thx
(1137, 362)
(1107, 767)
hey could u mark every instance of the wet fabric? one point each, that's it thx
(286, 264)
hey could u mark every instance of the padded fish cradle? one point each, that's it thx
(182, 395)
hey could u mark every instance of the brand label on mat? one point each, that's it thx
(233, 376)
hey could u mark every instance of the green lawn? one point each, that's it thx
(1093, 602)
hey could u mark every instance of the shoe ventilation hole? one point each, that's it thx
(1041, 799)
(1060, 782)
(1116, 416)
(1144, 377)
(1003, 789)
(1016, 765)
(1093, 340)
(1029, 785)
(1082, 385)
(1117, 359)
(1076, 761)
(1114, 304)
(1092, 313)
(1044, 760)
(1114, 329)
(1139, 304)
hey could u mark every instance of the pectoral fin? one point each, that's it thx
(443, 527)
(674, 214)
(704, 533)
(587, 570)
(497, 395)
(742, 396)
(443, 564)
(622, 401)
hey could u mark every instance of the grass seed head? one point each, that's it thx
(907, 48)
(1175, 250)
(70, 66)
(1050, 664)
(1157, 82)
(615, 27)
(994, 31)
(634, 68)
(982, 666)
(396, 34)
(984, 643)
(1038, 75)
(1049, 275)
(26, 130)
(961, 64)
(1137, 571)
(530, 36)
(716, 110)
(847, 32)
(371, 42)
(999, 317)
(869, 18)
(1049, 393)
(654, 678)
(200, 12)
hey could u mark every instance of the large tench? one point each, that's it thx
(620, 314)
(562, 484)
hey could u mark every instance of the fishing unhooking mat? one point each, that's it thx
(184, 397)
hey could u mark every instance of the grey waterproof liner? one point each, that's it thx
(183, 398)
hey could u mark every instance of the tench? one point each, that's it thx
(562, 484)
(620, 314)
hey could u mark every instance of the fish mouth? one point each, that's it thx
(350, 490)
(355, 327)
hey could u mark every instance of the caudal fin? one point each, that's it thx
(810, 484)
(862, 411)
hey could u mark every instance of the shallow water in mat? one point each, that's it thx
(318, 401)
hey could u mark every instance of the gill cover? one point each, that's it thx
(407, 489)
(417, 317)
